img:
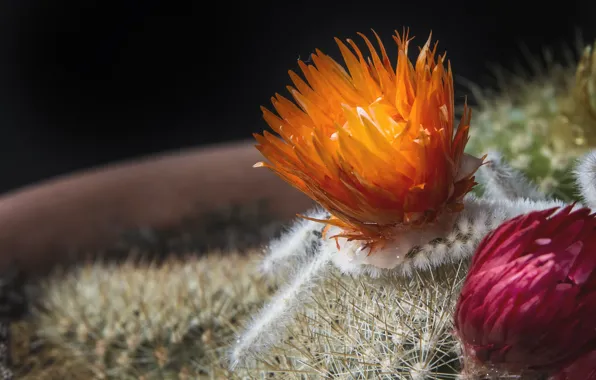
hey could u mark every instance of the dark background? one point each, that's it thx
(85, 83)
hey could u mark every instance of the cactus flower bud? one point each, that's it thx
(528, 303)
(375, 145)
(582, 369)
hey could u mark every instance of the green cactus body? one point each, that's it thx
(541, 126)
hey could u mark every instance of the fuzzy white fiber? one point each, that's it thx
(301, 239)
(585, 176)
(311, 255)
(268, 327)
(501, 181)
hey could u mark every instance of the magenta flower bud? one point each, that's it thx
(582, 369)
(529, 300)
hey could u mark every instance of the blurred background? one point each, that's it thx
(86, 83)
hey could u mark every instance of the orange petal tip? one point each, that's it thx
(374, 143)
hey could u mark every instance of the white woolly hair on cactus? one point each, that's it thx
(416, 250)
(501, 181)
(300, 240)
(543, 120)
(373, 328)
(268, 327)
(436, 246)
(585, 176)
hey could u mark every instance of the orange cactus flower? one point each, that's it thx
(374, 145)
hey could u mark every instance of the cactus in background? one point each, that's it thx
(13, 306)
(541, 125)
(131, 320)
(34, 358)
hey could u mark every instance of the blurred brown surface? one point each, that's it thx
(46, 223)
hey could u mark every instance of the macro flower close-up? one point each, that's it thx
(375, 145)
(298, 191)
(529, 300)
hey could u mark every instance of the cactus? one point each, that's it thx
(541, 125)
(310, 271)
(175, 321)
(389, 327)
(139, 320)
(178, 319)
(34, 358)
(331, 321)
(336, 316)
